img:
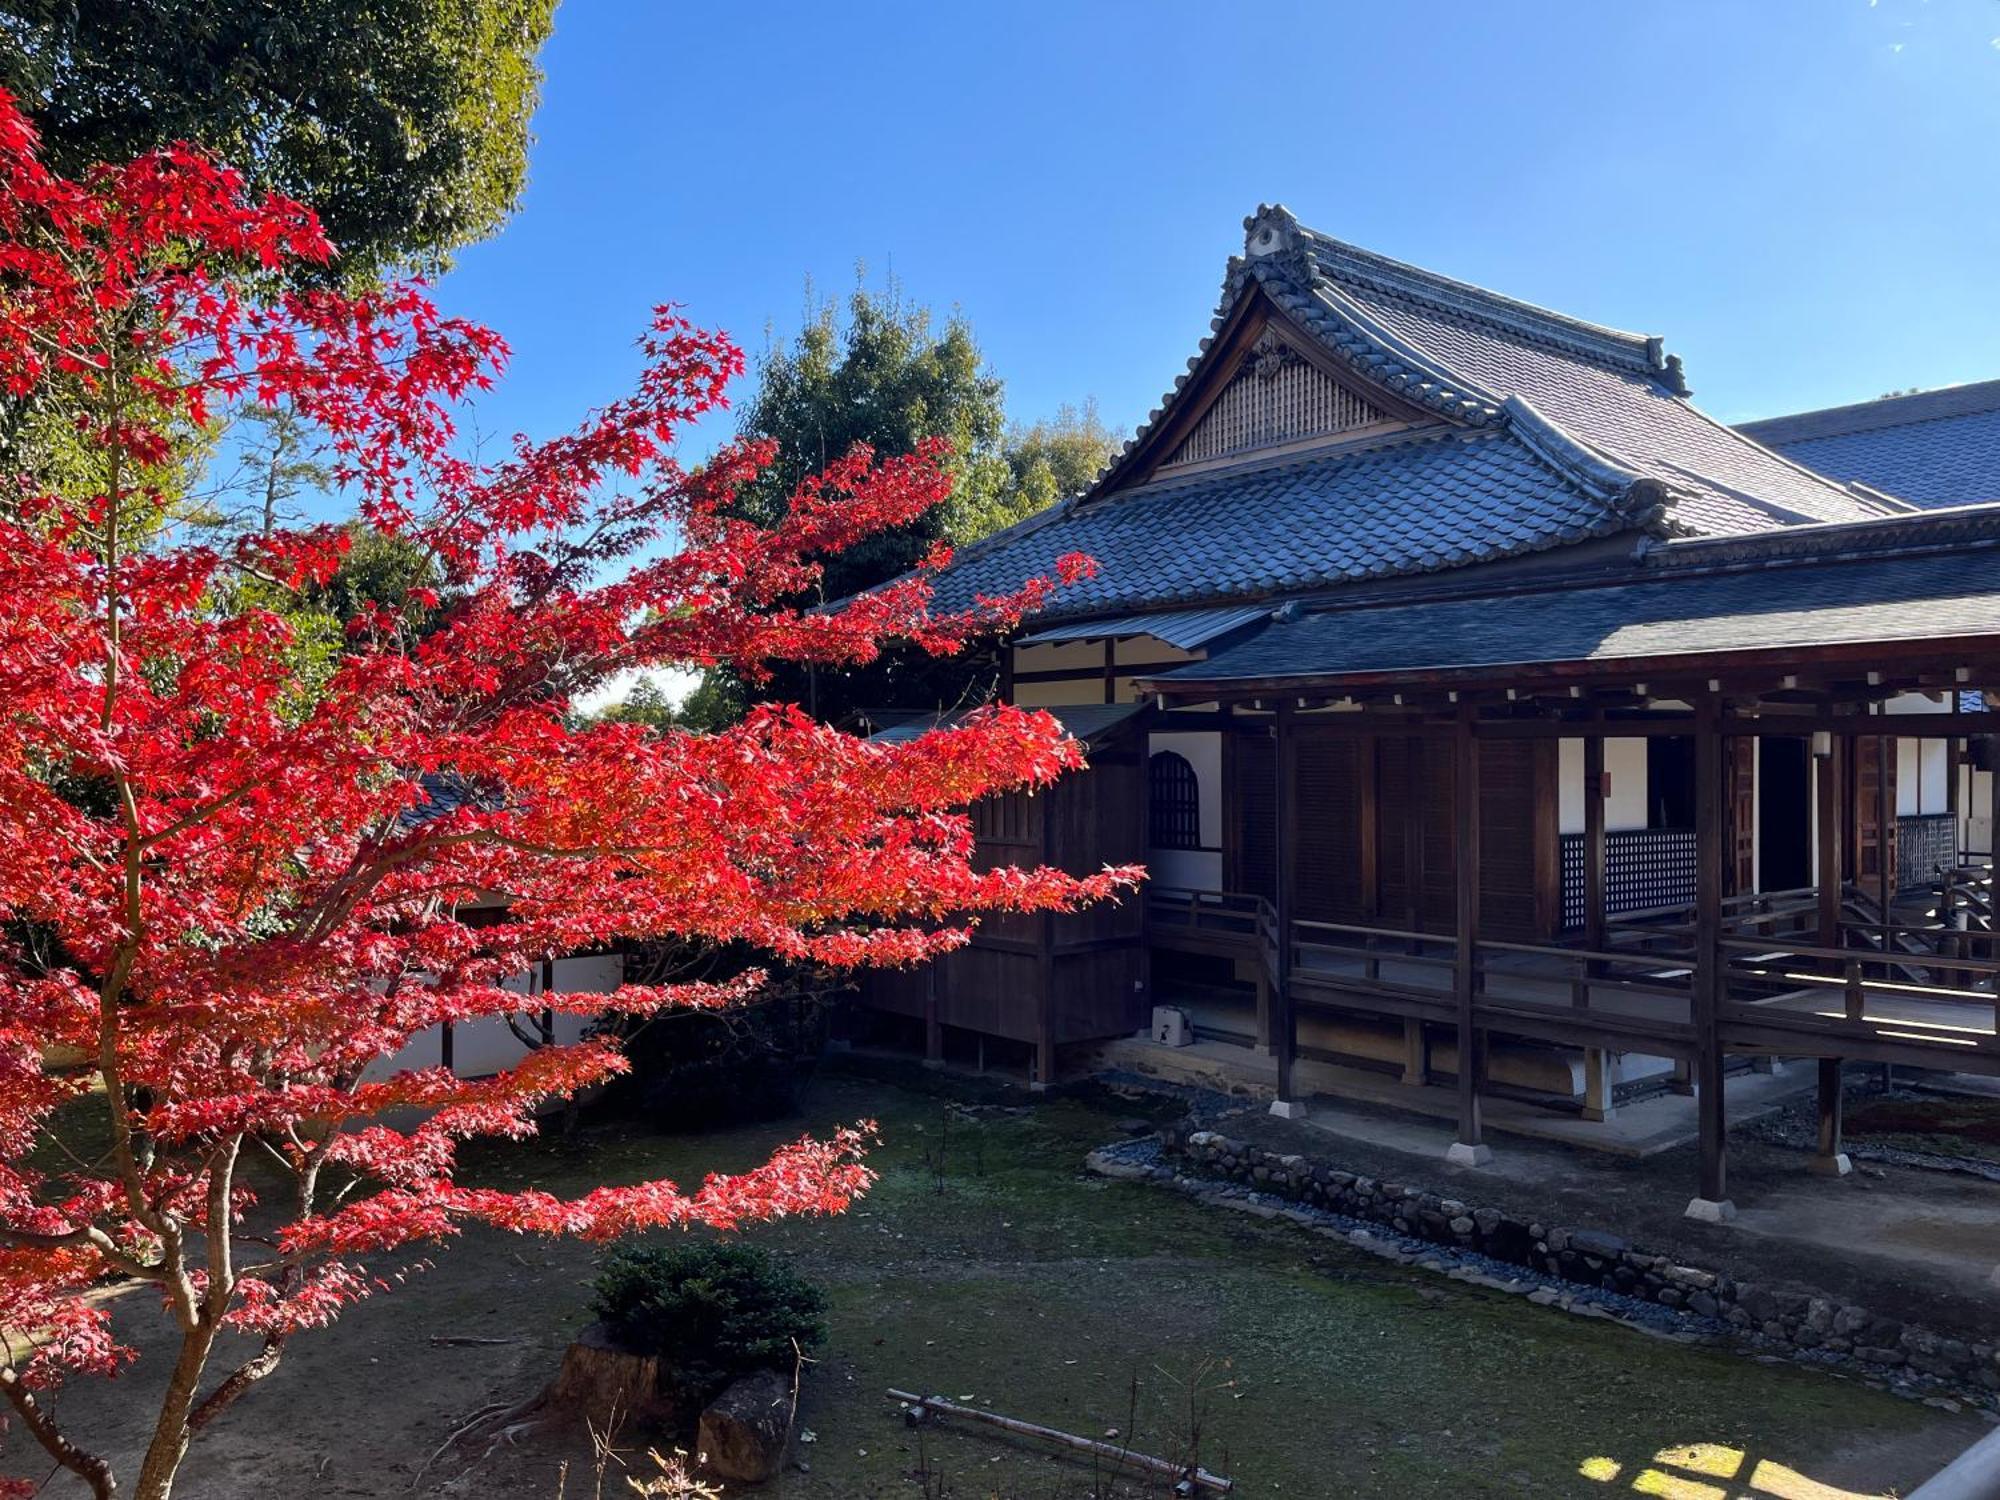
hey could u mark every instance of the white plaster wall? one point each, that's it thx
(1920, 776)
(486, 1046)
(1194, 869)
(1569, 785)
(1624, 763)
(1979, 826)
(1059, 694)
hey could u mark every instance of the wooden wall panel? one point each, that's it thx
(1328, 801)
(1253, 799)
(1439, 907)
(1508, 843)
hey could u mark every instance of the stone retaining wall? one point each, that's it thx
(1592, 1257)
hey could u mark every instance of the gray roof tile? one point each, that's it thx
(1886, 586)
(1431, 499)
(1551, 431)
(1932, 448)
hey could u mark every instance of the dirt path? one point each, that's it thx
(985, 1267)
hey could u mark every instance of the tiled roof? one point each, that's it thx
(1431, 499)
(1932, 448)
(1548, 431)
(1652, 613)
(1181, 628)
(1090, 722)
(1617, 391)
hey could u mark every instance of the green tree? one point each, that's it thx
(882, 372)
(404, 123)
(646, 704)
(886, 372)
(1053, 459)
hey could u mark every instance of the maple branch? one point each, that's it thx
(196, 816)
(89, 1467)
(236, 1382)
(90, 1236)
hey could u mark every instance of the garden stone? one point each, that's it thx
(745, 1430)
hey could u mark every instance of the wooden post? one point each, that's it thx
(1284, 845)
(1827, 813)
(1885, 833)
(1470, 1149)
(933, 1027)
(1713, 1202)
(1370, 831)
(1597, 1084)
(1595, 897)
(1110, 669)
(1412, 749)
(1045, 966)
(1416, 1058)
(1830, 1160)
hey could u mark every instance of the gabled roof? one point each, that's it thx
(1931, 448)
(1864, 584)
(1526, 431)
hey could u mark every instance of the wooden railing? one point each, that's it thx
(1923, 984)
(1947, 1000)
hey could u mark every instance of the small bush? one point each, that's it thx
(711, 1312)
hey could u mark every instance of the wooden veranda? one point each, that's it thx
(1856, 965)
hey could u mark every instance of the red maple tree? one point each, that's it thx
(228, 895)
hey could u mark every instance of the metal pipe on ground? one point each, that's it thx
(1194, 1479)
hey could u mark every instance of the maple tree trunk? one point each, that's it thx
(172, 1432)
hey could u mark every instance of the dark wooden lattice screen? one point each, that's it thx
(1174, 819)
(1644, 868)
(1926, 843)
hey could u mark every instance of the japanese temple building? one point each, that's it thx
(1487, 713)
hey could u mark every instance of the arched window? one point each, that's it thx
(1175, 803)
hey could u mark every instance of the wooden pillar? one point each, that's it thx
(1470, 1148)
(1597, 1084)
(1284, 845)
(1885, 830)
(933, 1027)
(1045, 965)
(1827, 813)
(1110, 669)
(1416, 1053)
(1709, 852)
(1370, 831)
(1954, 764)
(1830, 1160)
(1595, 897)
(1412, 749)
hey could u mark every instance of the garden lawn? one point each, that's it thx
(986, 1268)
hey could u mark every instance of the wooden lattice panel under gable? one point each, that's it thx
(1277, 398)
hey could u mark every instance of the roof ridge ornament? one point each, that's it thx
(1272, 230)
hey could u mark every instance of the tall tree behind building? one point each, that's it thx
(888, 373)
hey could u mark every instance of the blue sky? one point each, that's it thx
(1803, 196)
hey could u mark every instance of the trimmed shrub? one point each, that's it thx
(711, 1312)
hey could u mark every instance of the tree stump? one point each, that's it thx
(607, 1385)
(745, 1430)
